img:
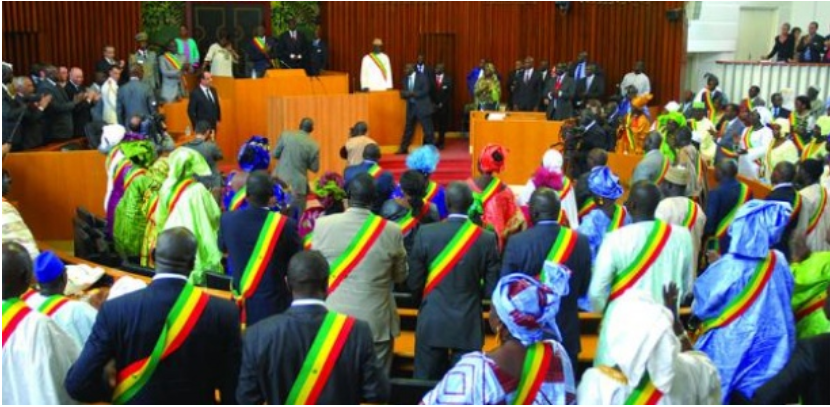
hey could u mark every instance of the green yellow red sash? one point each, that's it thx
(260, 257)
(154, 203)
(260, 45)
(111, 156)
(626, 278)
(320, 360)
(749, 105)
(489, 192)
(52, 305)
(132, 177)
(561, 249)
(728, 153)
(796, 208)
(664, 169)
(799, 142)
(618, 219)
(738, 305)
(710, 105)
(14, 310)
(723, 226)
(29, 292)
(375, 170)
(173, 61)
(176, 193)
(811, 149)
(379, 64)
(451, 254)
(121, 170)
(812, 224)
(562, 219)
(692, 213)
(534, 370)
(587, 206)
(811, 306)
(238, 199)
(178, 325)
(408, 222)
(645, 394)
(356, 251)
(307, 241)
(432, 190)
(567, 187)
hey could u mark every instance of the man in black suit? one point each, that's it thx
(721, 200)
(109, 60)
(592, 136)
(276, 350)
(259, 51)
(783, 190)
(415, 90)
(83, 110)
(318, 60)
(240, 232)
(778, 112)
(292, 47)
(384, 180)
(560, 94)
(23, 116)
(528, 86)
(128, 328)
(449, 319)
(592, 86)
(527, 252)
(58, 116)
(810, 47)
(204, 102)
(544, 74)
(513, 78)
(579, 68)
(422, 68)
(442, 89)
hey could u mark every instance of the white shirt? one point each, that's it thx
(810, 198)
(759, 141)
(75, 317)
(372, 77)
(673, 210)
(308, 301)
(221, 61)
(109, 96)
(208, 93)
(639, 81)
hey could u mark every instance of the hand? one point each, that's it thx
(97, 298)
(712, 256)
(110, 374)
(670, 296)
(44, 101)
(713, 132)
(7, 147)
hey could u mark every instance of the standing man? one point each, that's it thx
(526, 96)
(711, 96)
(280, 352)
(298, 154)
(560, 94)
(82, 115)
(203, 104)
(58, 114)
(172, 68)
(474, 75)
(753, 98)
(579, 69)
(731, 128)
(415, 90)
(260, 51)
(817, 108)
(547, 240)
(810, 47)
(367, 257)
(513, 78)
(376, 69)
(292, 47)
(449, 318)
(636, 78)
(203, 357)
(778, 111)
(592, 86)
(722, 204)
(442, 99)
(259, 244)
(319, 54)
(148, 59)
(109, 60)
(135, 98)
(109, 95)
(654, 165)
(422, 68)
(30, 130)
(783, 190)
(221, 57)
(384, 180)
(187, 48)
(677, 209)
(816, 204)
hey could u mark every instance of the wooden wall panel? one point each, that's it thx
(70, 33)
(615, 34)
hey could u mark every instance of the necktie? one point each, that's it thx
(439, 79)
(293, 35)
(209, 95)
(527, 76)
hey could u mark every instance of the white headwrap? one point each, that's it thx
(766, 115)
(672, 106)
(112, 135)
(552, 160)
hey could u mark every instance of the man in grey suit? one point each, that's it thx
(560, 94)
(650, 167)
(134, 98)
(366, 292)
(298, 154)
(415, 90)
(449, 319)
(732, 134)
(148, 59)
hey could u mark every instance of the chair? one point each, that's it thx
(137, 269)
(409, 391)
(216, 281)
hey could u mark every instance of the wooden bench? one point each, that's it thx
(58, 146)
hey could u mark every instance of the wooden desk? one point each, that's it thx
(387, 117)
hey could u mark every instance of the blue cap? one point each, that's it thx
(48, 267)
(602, 182)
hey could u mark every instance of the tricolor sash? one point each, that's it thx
(238, 199)
(562, 219)
(728, 153)
(645, 394)
(723, 226)
(618, 219)
(451, 254)
(432, 191)
(307, 241)
(28, 294)
(664, 169)
(710, 105)
(180, 321)
(535, 368)
(796, 208)
(379, 64)
(811, 150)
(14, 310)
(561, 249)
(52, 305)
(121, 170)
(111, 156)
(261, 256)
(586, 208)
(261, 46)
(132, 177)
(629, 134)
(811, 306)
(567, 187)
(173, 61)
(744, 300)
(375, 170)
(408, 222)
(812, 224)
(324, 352)
(799, 142)
(489, 192)
(154, 203)
(356, 251)
(629, 276)
(748, 103)
(692, 213)
(176, 193)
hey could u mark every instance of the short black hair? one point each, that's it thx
(371, 152)
(308, 273)
(805, 100)
(259, 187)
(202, 73)
(203, 127)
(361, 190)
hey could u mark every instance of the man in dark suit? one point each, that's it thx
(276, 350)
(384, 180)
(292, 47)
(527, 252)
(204, 102)
(442, 99)
(259, 51)
(415, 90)
(449, 319)
(579, 68)
(778, 111)
(422, 68)
(23, 116)
(109, 60)
(592, 136)
(513, 78)
(58, 116)
(318, 60)
(239, 234)
(544, 74)
(592, 86)
(128, 328)
(783, 190)
(731, 129)
(811, 45)
(135, 98)
(83, 110)
(560, 94)
(722, 199)
(528, 87)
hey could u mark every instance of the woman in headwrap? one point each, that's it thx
(754, 142)
(816, 149)
(330, 191)
(530, 366)
(636, 126)
(126, 160)
(425, 160)
(131, 212)
(155, 177)
(494, 203)
(184, 202)
(549, 175)
(781, 149)
(811, 271)
(411, 210)
(743, 302)
(488, 89)
(652, 360)
(668, 125)
(801, 122)
(606, 216)
(253, 156)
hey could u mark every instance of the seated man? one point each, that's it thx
(36, 352)
(14, 228)
(384, 180)
(282, 353)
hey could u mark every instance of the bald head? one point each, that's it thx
(544, 205)
(643, 200)
(597, 157)
(76, 76)
(726, 169)
(308, 275)
(783, 172)
(17, 270)
(175, 251)
(459, 198)
(653, 141)
(361, 191)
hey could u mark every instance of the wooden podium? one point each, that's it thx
(387, 117)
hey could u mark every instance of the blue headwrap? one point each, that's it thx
(528, 307)
(424, 159)
(48, 267)
(757, 227)
(602, 182)
(254, 154)
(283, 199)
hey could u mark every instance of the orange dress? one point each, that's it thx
(635, 129)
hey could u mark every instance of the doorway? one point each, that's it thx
(756, 27)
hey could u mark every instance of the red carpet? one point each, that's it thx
(455, 164)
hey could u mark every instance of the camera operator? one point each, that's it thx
(587, 135)
(154, 128)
